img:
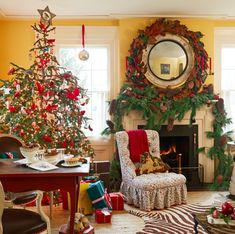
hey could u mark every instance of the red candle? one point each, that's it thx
(210, 65)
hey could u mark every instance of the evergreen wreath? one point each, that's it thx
(138, 94)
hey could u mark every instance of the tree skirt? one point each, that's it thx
(174, 220)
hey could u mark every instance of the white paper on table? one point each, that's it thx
(22, 161)
(42, 166)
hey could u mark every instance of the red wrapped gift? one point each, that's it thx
(117, 200)
(103, 216)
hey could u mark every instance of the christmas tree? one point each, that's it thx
(44, 104)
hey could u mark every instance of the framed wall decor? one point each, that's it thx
(165, 68)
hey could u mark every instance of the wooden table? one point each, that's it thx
(201, 219)
(19, 178)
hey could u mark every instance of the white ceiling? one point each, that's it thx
(74, 9)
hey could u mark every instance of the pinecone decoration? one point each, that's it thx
(170, 125)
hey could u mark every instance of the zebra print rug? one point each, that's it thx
(175, 220)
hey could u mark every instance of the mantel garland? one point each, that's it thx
(138, 94)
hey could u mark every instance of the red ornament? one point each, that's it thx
(50, 107)
(72, 94)
(33, 106)
(47, 138)
(17, 94)
(39, 87)
(12, 109)
(227, 208)
(50, 41)
(82, 112)
(66, 75)
(64, 144)
(11, 71)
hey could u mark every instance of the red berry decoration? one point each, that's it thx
(227, 208)
(215, 214)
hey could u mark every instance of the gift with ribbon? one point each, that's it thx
(103, 215)
(117, 200)
(99, 197)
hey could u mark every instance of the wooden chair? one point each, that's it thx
(22, 221)
(149, 191)
(11, 143)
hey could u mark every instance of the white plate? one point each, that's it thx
(212, 220)
(73, 165)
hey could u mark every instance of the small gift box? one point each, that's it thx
(99, 198)
(103, 215)
(117, 200)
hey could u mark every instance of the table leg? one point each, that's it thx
(73, 196)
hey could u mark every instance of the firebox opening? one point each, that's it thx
(171, 147)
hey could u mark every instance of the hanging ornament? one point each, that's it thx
(83, 54)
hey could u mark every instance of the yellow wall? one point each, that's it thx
(17, 37)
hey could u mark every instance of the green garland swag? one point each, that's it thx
(139, 94)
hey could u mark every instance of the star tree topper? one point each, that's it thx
(46, 15)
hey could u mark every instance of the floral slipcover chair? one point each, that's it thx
(149, 191)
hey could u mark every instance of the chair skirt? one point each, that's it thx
(156, 191)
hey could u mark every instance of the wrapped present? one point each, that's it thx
(117, 200)
(90, 179)
(103, 215)
(89, 230)
(99, 198)
(84, 202)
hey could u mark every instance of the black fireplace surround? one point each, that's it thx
(183, 140)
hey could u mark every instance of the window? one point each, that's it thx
(96, 74)
(225, 70)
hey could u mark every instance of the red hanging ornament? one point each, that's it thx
(83, 54)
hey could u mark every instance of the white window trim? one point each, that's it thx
(223, 37)
(106, 35)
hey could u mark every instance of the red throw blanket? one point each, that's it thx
(138, 144)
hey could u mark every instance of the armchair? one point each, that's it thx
(149, 191)
(21, 221)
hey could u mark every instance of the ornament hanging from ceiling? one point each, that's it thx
(83, 54)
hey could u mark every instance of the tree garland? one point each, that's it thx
(137, 93)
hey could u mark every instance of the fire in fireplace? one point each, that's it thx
(181, 140)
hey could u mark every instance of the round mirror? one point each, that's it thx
(167, 60)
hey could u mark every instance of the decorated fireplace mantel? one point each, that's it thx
(154, 94)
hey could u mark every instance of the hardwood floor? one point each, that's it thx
(122, 221)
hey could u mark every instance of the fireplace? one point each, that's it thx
(178, 148)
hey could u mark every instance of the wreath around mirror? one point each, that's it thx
(138, 72)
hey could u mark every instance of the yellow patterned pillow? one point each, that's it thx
(149, 164)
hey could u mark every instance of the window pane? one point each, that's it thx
(228, 78)
(228, 56)
(93, 76)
